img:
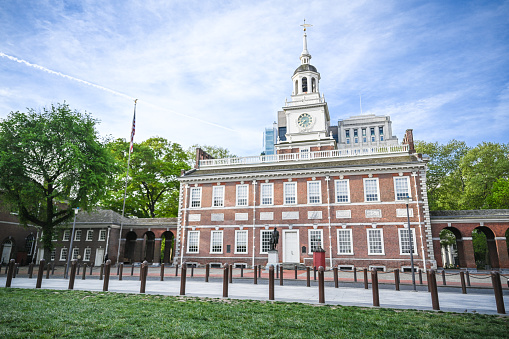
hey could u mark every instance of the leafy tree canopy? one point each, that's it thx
(51, 162)
(215, 151)
(153, 188)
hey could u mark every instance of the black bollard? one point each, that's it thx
(53, 268)
(183, 280)
(443, 278)
(177, 270)
(314, 272)
(463, 284)
(271, 282)
(420, 276)
(396, 279)
(207, 272)
(141, 270)
(468, 278)
(91, 268)
(355, 274)
(101, 272)
(308, 276)
(259, 271)
(255, 275)
(321, 288)
(242, 271)
(336, 280)
(428, 280)
(84, 271)
(192, 270)
(16, 269)
(281, 275)
(366, 278)
(295, 268)
(40, 274)
(434, 290)
(374, 287)
(497, 289)
(48, 270)
(30, 270)
(72, 275)
(107, 269)
(225, 280)
(143, 276)
(230, 273)
(78, 270)
(120, 270)
(162, 272)
(132, 269)
(10, 273)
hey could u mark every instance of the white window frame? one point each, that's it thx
(400, 236)
(102, 235)
(262, 232)
(75, 253)
(336, 191)
(286, 193)
(87, 253)
(372, 230)
(218, 193)
(402, 194)
(212, 250)
(90, 235)
(77, 235)
(262, 197)
(66, 236)
(63, 253)
(305, 152)
(237, 242)
(189, 238)
(239, 199)
(319, 184)
(195, 199)
(53, 254)
(377, 189)
(318, 231)
(349, 231)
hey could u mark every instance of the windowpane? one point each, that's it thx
(218, 196)
(347, 133)
(290, 191)
(217, 242)
(380, 130)
(315, 240)
(267, 195)
(86, 256)
(344, 241)
(90, 235)
(372, 130)
(52, 255)
(371, 189)
(75, 253)
(196, 197)
(355, 132)
(77, 235)
(265, 239)
(67, 235)
(63, 254)
(304, 85)
(192, 241)
(401, 188)
(342, 191)
(102, 235)
(242, 191)
(314, 196)
(241, 242)
(375, 243)
(404, 241)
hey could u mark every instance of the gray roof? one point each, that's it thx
(110, 217)
(305, 67)
(501, 213)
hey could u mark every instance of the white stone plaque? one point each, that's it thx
(217, 217)
(241, 216)
(290, 215)
(344, 214)
(266, 215)
(373, 213)
(314, 214)
(194, 217)
(401, 212)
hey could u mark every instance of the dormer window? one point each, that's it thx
(304, 85)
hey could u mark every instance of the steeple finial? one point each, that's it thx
(305, 56)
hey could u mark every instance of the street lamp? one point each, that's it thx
(410, 240)
(69, 253)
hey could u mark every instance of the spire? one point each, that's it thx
(305, 56)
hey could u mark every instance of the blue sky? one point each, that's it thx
(217, 72)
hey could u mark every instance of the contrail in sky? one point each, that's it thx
(44, 69)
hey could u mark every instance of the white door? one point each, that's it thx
(6, 252)
(99, 256)
(291, 246)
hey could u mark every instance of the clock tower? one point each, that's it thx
(306, 115)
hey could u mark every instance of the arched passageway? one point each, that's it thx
(167, 247)
(485, 248)
(148, 245)
(452, 248)
(130, 245)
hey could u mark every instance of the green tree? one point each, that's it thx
(51, 162)
(480, 168)
(153, 188)
(499, 196)
(444, 181)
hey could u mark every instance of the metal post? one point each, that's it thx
(255, 275)
(396, 279)
(141, 270)
(314, 272)
(295, 268)
(177, 270)
(84, 273)
(271, 282)
(434, 290)
(259, 271)
(183, 279)
(321, 288)
(497, 289)
(428, 280)
(15, 271)
(30, 270)
(336, 282)
(443, 278)
(242, 271)
(308, 276)
(69, 253)
(207, 272)
(410, 239)
(420, 276)
(192, 270)
(72, 277)
(143, 277)
(107, 270)
(120, 270)
(101, 272)
(9, 273)
(280, 275)
(225, 281)
(53, 268)
(463, 284)
(230, 273)
(468, 278)
(366, 278)
(162, 271)
(355, 274)
(91, 268)
(374, 287)
(78, 270)
(39, 274)
(47, 270)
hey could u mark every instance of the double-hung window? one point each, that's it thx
(315, 240)
(218, 196)
(196, 197)
(240, 241)
(290, 193)
(216, 242)
(267, 194)
(77, 235)
(314, 192)
(67, 235)
(404, 241)
(102, 235)
(371, 189)
(63, 254)
(90, 235)
(86, 254)
(265, 241)
(342, 190)
(375, 241)
(75, 253)
(401, 188)
(345, 245)
(242, 194)
(193, 239)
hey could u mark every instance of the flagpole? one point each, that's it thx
(125, 188)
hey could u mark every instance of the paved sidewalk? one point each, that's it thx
(245, 289)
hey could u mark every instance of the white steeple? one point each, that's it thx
(305, 56)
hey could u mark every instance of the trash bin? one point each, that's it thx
(319, 258)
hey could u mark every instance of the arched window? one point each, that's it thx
(304, 85)
(313, 85)
(296, 87)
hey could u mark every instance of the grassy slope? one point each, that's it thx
(47, 313)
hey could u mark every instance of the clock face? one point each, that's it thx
(305, 120)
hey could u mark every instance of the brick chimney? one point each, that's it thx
(408, 139)
(201, 155)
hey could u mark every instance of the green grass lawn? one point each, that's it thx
(29, 313)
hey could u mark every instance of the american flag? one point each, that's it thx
(133, 129)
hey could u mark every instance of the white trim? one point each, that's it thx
(191, 197)
(91, 237)
(294, 184)
(368, 231)
(336, 182)
(261, 240)
(414, 241)
(76, 235)
(320, 231)
(198, 242)
(394, 179)
(89, 250)
(315, 182)
(102, 231)
(236, 242)
(221, 189)
(349, 230)
(237, 195)
(212, 242)
(377, 189)
(271, 185)
(377, 266)
(66, 236)
(66, 253)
